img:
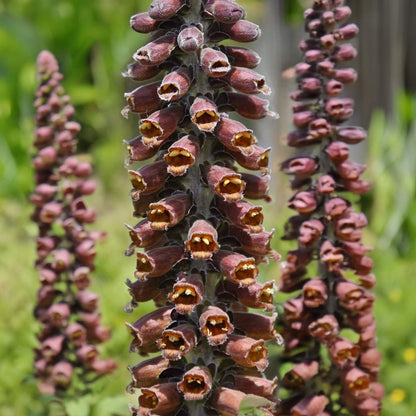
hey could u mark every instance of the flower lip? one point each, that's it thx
(196, 383)
(202, 240)
(187, 292)
(215, 324)
(174, 85)
(214, 62)
(182, 154)
(204, 114)
(177, 341)
(237, 267)
(226, 183)
(168, 211)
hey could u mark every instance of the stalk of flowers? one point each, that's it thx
(67, 311)
(200, 242)
(333, 371)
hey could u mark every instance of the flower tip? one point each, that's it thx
(47, 63)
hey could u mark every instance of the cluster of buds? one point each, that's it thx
(67, 311)
(329, 327)
(200, 242)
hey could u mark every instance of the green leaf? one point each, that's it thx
(250, 405)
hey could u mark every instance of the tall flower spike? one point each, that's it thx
(65, 248)
(199, 245)
(329, 231)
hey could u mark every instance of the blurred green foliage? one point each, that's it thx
(93, 43)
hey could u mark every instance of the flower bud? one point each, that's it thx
(225, 11)
(174, 85)
(300, 166)
(202, 240)
(156, 52)
(250, 106)
(241, 31)
(182, 154)
(143, 23)
(160, 125)
(351, 135)
(247, 81)
(168, 211)
(157, 261)
(163, 10)
(187, 293)
(345, 75)
(214, 62)
(204, 114)
(176, 342)
(196, 383)
(225, 183)
(255, 325)
(242, 57)
(190, 39)
(237, 267)
(215, 325)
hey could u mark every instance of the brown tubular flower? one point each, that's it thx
(196, 383)
(200, 241)
(65, 248)
(327, 230)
